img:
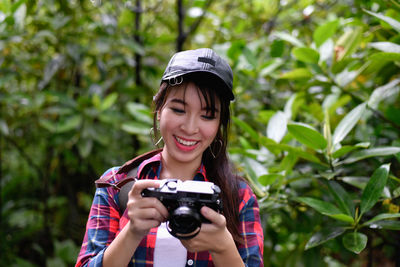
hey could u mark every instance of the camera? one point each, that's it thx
(183, 200)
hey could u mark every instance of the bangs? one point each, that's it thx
(207, 89)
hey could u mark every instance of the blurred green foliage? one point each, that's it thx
(316, 119)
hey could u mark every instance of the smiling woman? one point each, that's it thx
(188, 128)
(192, 116)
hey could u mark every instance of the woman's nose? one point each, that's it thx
(190, 125)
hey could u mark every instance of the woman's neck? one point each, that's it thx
(178, 170)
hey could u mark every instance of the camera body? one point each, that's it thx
(183, 200)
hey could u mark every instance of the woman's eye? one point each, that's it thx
(178, 110)
(208, 117)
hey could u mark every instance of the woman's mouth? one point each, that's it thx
(185, 144)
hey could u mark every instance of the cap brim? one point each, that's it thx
(227, 88)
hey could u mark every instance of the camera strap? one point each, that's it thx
(124, 185)
(124, 191)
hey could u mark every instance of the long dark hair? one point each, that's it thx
(215, 159)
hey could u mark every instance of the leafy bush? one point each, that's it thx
(316, 126)
(328, 160)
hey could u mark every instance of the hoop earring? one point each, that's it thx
(219, 150)
(152, 134)
(159, 140)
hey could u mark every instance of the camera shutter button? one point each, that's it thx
(172, 185)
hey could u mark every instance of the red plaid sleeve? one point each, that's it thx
(250, 228)
(102, 225)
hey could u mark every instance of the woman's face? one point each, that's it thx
(187, 125)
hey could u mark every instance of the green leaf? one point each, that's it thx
(66, 250)
(333, 102)
(346, 76)
(246, 128)
(85, 146)
(300, 73)
(381, 217)
(133, 45)
(385, 56)
(383, 92)
(291, 105)
(342, 198)
(134, 127)
(388, 225)
(269, 143)
(392, 22)
(48, 125)
(299, 152)
(349, 42)
(327, 132)
(307, 135)
(306, 54)
(254, 169)
(249, 56)
(4, 128)
(357, 181)
(277, 48)
(126, 18)
(386, 47)
(20, 15)
(324, 235)
(324, 32)
(139, 112)
(51, 69)
(268, 179)
(355, 242)
(69, 123)
(323, 207)
(109, 101)
(296, 151)
(244, 142)
(347, 149)
(289, 38)
(343, 218)
(6, 6)
(372, 152)
(277, 126)
(347, 123)
(326, 208)
(286, 165)
(374, 188)
(271, 66)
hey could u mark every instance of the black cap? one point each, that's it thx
(199, 60)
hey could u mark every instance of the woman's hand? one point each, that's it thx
(144, 212)
(213, 237)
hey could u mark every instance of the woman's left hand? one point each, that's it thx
(213, 237)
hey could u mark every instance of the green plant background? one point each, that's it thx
(315, 131)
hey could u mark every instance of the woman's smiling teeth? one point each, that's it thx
(185, 142)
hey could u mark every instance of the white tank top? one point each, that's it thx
(169, 251)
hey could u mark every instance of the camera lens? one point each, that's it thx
(184, 223)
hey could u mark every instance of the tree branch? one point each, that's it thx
(138, 39)
(182, 34)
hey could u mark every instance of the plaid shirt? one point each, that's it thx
(105, 222)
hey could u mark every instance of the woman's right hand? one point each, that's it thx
(144, 212)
